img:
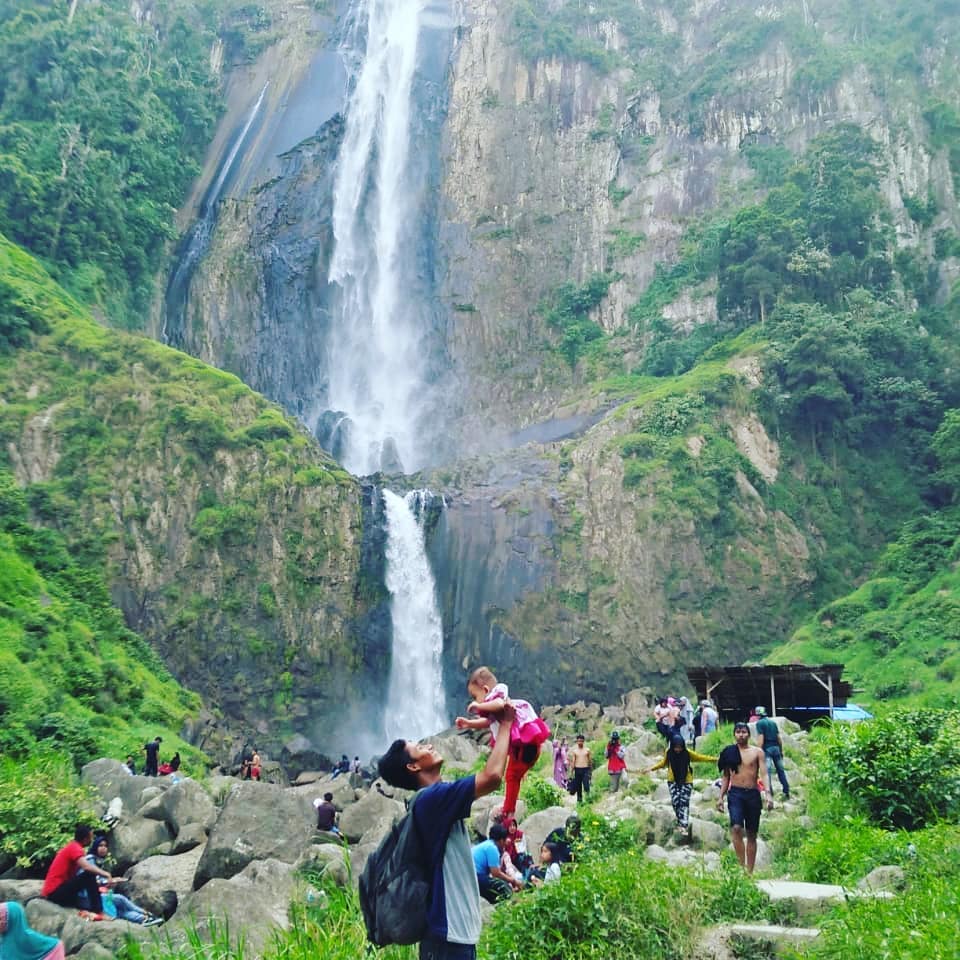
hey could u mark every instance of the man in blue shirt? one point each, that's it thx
(439, 811)
(494, 883)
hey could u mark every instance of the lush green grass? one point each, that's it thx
(898, 634)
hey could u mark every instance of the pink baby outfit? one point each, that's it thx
(527, 727)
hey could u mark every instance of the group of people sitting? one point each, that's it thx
(152, 767)
(504, 866)
(77, 878)
(677, 716)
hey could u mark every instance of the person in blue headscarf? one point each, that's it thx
(19, 942)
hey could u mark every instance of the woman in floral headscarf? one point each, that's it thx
(19, 942)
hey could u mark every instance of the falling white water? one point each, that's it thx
(416, 706)
(375, 362)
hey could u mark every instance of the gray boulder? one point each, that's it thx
(252, 904)
(185, 802)
(110, 778)
(46, 917)
(538, 825)
(299, 754)
(190, 836)
(369, 813)
(136, 838)
(886, 877)
(160, 884)
(708, 834)
(327, 860)
(258, 821)
(19, 890)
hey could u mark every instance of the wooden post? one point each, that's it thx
(773, 697)
(830, 693)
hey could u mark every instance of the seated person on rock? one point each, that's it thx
(116, 904)
(71, 872)
(326, 814)
(564, 837)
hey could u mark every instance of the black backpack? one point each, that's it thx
(395, 886)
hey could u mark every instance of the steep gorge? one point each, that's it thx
(602, 156)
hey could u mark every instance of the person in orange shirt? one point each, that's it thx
(71, 872)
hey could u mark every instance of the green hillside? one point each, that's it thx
(73, 679)
(227, 537)
(899, 633)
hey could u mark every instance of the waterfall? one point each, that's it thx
(416, 705)
(376, 356)
(198, 239)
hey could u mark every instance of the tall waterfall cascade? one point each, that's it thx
(415, 701)
(377, 390)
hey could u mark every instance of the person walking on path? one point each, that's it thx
(560, 763)
(616, 761)
(679, 760)
(582, 762)
(19, 942)
(740, 771)
(709, 718)
(453, 911)
(71, 872)
(768, 740)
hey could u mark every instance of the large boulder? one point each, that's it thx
(370, 813)
(46, 917)
(327, 860)
(135, 838)
(538, 825)
(299, 754)
(185, 802)
(343, 793)
(160, 884)
(110, 778)
(252, 904)
(19, 890)
(258, 821)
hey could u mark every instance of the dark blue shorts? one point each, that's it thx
(744, 805)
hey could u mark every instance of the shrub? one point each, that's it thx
(903, 769)
(40, 804)
(538, 794)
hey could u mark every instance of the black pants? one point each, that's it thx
(581, 781)
(66, 894)
(493, 889)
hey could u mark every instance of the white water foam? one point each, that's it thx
(416, 705)
(375, 360)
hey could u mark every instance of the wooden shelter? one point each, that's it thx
(800, 692)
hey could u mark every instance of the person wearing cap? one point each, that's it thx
(582, 762)
(616, 761)
(768, 740)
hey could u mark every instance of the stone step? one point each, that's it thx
(811, 899)
(732, 940)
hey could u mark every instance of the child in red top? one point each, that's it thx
(527, 732)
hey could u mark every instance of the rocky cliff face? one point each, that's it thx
(233, 543)
(594, 563)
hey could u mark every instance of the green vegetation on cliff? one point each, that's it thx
(104, 118)
(230, 541)
(73, 679)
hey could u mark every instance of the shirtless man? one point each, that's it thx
(740, 767)
(581, 761)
